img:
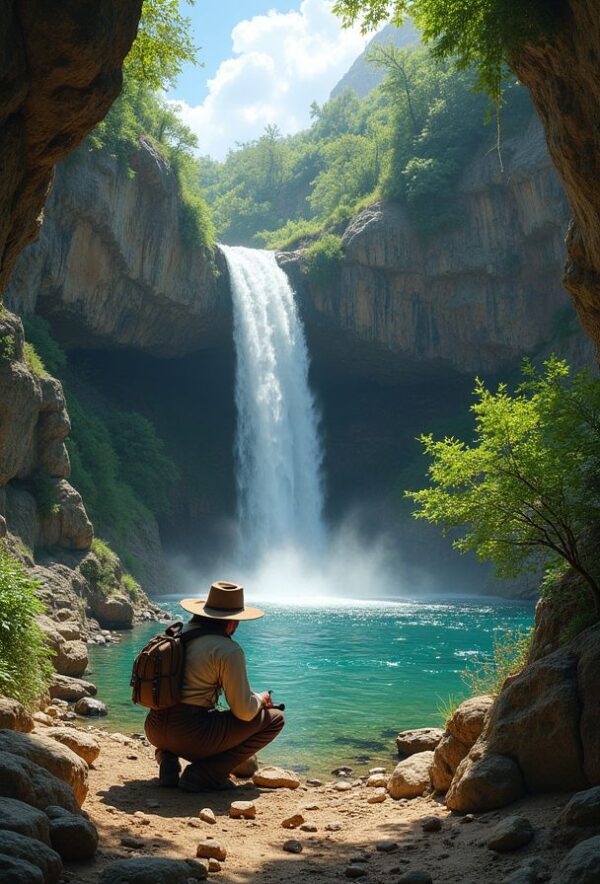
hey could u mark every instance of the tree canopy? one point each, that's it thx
(162, 46)
(526, 491)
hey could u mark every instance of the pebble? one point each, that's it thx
(377, 781)
(343, 786)
(292, 846)
(314, 782)
(355, 871)
(208, 848)
(130, 841)
(467, 818)
(132, 757)
(431, 824)
(207, 816)
(194, 824)
(242, 810)
(376, 770)
(214, 865)
(309, 827)
(415, 876)
(333, 827)
(292, 822)
(377, 796)
(141, 817)
(386, 846)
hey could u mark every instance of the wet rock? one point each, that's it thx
(207, 815)
(242, 810)
(30, 850)
(51, 755)
(509, 834)
(411, 777)
(26, 781)
(153, 870)
(431, 824)
(78, 741)
(484, 782)
(90, 707)
(16, 816)
(580, 818)
(423, 739)
(72, 836)
(292, 822)
(275, 778)
(19, 871)
(292, 846)
(209, 848)
(14, 716)
(377, 796)
(247, 768)
(581, 865)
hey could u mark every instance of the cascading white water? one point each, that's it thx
(278, 450)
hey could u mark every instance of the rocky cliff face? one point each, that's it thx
(113, 266)
(476, 297)
(60, 70)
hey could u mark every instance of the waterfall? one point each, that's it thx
(278, 450)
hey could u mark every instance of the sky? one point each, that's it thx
(264, 63)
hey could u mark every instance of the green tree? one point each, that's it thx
(162, 46)
(526, 492)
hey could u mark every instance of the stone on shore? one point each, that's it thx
(209, 848)
(422, 739)
(431, 824)
(411, 777)
(89, 707)
(72, 836)
(247, 768)
(275, 778)
(463, 729)
(26, 781)
(292, 846)
(16, 816)
(581, 865)
(153, 870)
(580, 818)
(355, 870)
(19, 871)
(242, 810)
(78, 741)
(509, 834)
(377, 781)
(377, 796)
(208, 816)
(484, 782)
(48, 753)
(30, 850)
(292, 822)
(415, 876)
(63, 687)
(14, 716)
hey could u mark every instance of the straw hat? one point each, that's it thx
(225, 602)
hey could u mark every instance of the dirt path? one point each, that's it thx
(125, 801)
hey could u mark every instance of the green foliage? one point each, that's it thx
(25, 668)
(162, 46)
(7, 348)
(323, 259)
(509, 657)
(484, 33)
(103, 572)
(37, 332)
(447, 706)
(33, 360)
(131, 586)
(525, 491)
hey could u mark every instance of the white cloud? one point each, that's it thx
(281, 63)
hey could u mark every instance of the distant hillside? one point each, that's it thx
(363, 77)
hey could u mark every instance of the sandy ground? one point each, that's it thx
(125, 800)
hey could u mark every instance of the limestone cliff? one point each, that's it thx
(475, 297)
(113, 266)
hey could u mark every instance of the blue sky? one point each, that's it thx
(264, 63)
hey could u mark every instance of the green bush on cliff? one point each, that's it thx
(322, 259)
(25, 668)
(37, 332)
(524, 492)
(509, 657)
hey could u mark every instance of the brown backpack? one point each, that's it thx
(158, 668)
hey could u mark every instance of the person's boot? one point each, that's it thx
(169, 770)
(196, 779)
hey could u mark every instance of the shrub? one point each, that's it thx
(33, 360)
(508, 658)
(323, 259)
(7, 348)
(447, 707)
(102, 572)
(131, 586)
(52, 357)
(25, 668)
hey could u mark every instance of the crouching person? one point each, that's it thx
(216, 742)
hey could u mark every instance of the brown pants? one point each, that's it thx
(216, 741)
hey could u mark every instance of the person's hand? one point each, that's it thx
(266, 699)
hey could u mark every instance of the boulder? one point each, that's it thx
(113, 612)
(89, 706)
(275, 778)
(30, 850)
(509, 834)
(69, 630)
(531, 872)
(71, 658)
(463, 728)
(63, 687)
(423, 739)
(54, 757)
(247, 768)
(14, 716)
(78, 741)
(68, 525)
(16, 816)
(587, 648)
(446, 758)
(580, 818)
(26, 781)
(153, 870)
(484, 782)
(72, 836)
(581, 865)
(411, 777)
(19, 871)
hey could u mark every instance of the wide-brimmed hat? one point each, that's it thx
(225, 602)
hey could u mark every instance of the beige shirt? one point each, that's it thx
(213, 662)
